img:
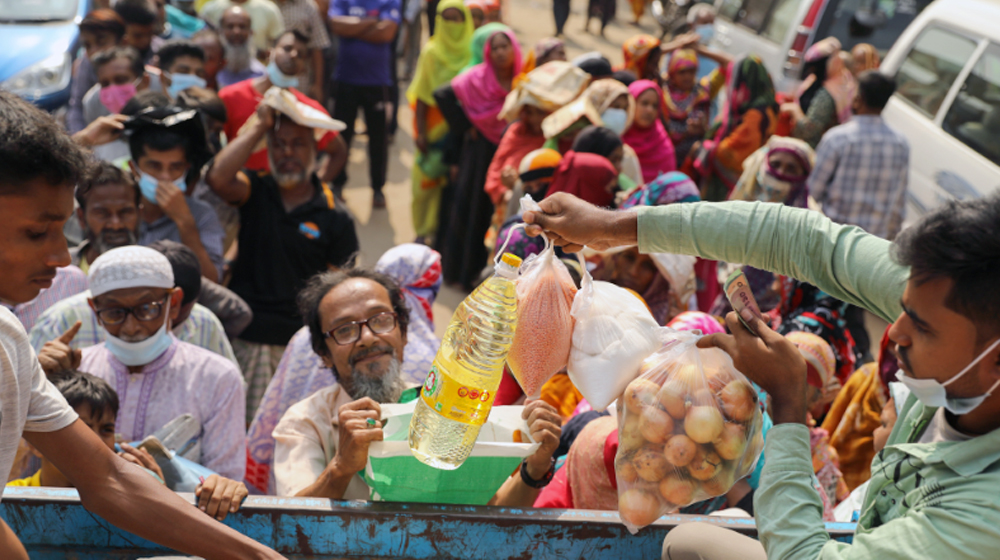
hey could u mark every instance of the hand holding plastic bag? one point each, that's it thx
(544, 333)
(689, 427)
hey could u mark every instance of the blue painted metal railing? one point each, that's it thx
(53, 525)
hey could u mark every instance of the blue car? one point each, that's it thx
(39, 40)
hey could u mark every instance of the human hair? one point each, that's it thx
(104, 21)
(33, 145)
(158, 139)
(136, 12)
(187, 269)
(176, 48)
(875, 88)
(204, 100)
(148, 99)
(959, 241)
(207, 33)
(128, 53)
(321, 284)
(79, 388)
(299, 36)
(104, 173)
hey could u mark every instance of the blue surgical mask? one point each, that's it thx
(148, 184)
(706, 32)
(142, 352)
(180, 82)
(279, 78)
(932, 393)
(615, 119)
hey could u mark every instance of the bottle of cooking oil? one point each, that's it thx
(458, 393)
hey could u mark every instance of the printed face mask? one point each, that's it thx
(932, 392)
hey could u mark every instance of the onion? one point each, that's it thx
(738, 401)
(731, 442)
(673, 398)
(717, 378)
(703, 424)
(705, 464)
(629, 436)
(638, 508)
(704, 397)
(650, 463)
(655, 425)
(625, 472)
(639, 394)
(679, 450)
(720, 483)
(676, 490)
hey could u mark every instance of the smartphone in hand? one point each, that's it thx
(740, 296)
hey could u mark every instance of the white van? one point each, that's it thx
(947, 101)
(780, 31)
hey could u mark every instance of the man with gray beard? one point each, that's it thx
(240, 53)
(357, 321)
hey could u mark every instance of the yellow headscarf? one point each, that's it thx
(444, 55)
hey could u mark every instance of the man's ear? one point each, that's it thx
(176, 297)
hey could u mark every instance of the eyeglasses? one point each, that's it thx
(349, 333)
(143, 312)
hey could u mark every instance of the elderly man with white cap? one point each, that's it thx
(158, 377)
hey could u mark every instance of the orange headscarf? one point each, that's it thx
(636, 51)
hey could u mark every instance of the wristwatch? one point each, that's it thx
(537, 484)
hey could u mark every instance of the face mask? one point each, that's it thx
(706, 33)
(615, 119)
(142, 352)
(148, 184)
(932, 393)
(279, 78)
(180, 82)
(115, 96)
(453, 30)
(772, 189)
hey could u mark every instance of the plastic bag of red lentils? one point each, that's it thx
(544, 332)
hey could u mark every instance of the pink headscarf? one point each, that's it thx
(651, 144)
(481, 94)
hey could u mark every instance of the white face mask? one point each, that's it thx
(615, 119)
(142, 352)
(932, 393)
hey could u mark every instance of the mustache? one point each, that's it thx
(368, 352)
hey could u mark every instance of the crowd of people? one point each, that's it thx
(210, 303)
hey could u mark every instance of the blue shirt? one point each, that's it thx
(359, 62)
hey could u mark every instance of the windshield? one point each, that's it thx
(37, 10)
(894, 16)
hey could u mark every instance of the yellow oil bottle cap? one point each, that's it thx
(511, 260)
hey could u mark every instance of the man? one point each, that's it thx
(41, 165)
(931, 490)
(241, 56)
(290, 229)
(182, 65)
(168, 147)
(215, 55)
(302, 16)
(357, 320)
(363, 77)
(109, 211)
(266, 18)
(140, 27)
(241, 99)
(159, 377)
(100, 30)
(120, 75)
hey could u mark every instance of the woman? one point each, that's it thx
(688, 103)
(748, 120)
(444, 55)
(478, 10)
(616, 106)
(480, 93)
(647, 136)
(824, 99)
(546, 50)
(642, 56)
(777, 173)
(865, 57)
(587, 176)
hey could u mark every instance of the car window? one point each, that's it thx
(12, 11)
(840, 19)
(781, 20)
(932, 65)
(974, 117)
(748, 13)
(730, 9)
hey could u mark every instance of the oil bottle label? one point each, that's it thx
(455, 401)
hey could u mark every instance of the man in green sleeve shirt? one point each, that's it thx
(933, 492)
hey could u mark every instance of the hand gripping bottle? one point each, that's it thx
(458, 393)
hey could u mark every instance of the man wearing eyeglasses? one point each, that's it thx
(357, 320)
(158, 377)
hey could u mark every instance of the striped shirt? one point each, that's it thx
(69, 281)
(860, 175)
(303, 16)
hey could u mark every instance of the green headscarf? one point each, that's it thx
(445, 54)
(479, 39)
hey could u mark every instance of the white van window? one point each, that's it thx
(974, 117)
(930, 69)
(748, 13)
(781, 20)
(890, 18)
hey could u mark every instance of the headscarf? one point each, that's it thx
(665, 189)
(682, 59)
(542, 49)
(604, 92)
(838, 84)
(758, 164)
(585, 175)
(597, 140)
(480, 93)
(445, 54)
(417, 270)
(681, 103)
(590, 465)
(696, 320)
(866, 57)
(479, 39)
(652, 145)
(749, 88)
(548, 87)
(636, 51)
(819, 355)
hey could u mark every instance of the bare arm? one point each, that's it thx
(718, 56)
(331, 484)
(351, 27)
(383, 32)
(10, 546)
(130, 499)
(546, 427)
(336, 159)
(225, 177)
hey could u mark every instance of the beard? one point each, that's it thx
(238, 57)
(292, 179)
(380, 386)
(106, 240)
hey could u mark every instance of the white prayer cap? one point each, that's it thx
(131, 266)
